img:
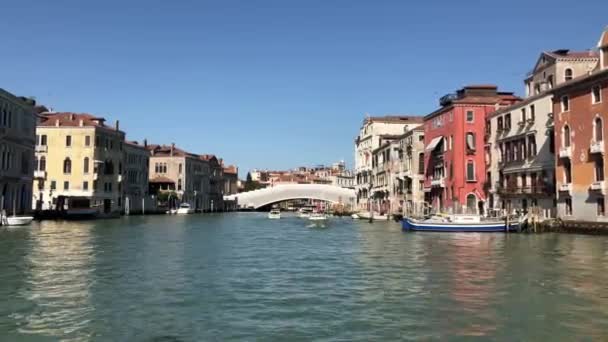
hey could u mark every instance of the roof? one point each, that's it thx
(135, 144)
(565, 54)
(403, 119)
(231, 169)
(603, 39)
(161, 180)
(70, 119)
(484, 94)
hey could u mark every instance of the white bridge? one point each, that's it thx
(259, 198)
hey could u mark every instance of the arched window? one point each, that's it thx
(599, 129)
(42, 166)
(566, 140)
(550, 82)
(471, 203)
(67, 165)
(86, 165)
(568, 74)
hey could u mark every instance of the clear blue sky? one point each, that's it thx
(274, 84)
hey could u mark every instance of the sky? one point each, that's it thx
(274, 84)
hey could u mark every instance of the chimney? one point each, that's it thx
(57, 122)
(172, 148)
(117, 125)
(81, 123)
(72, 117)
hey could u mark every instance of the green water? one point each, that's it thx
(243, 277)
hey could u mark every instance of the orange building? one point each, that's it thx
(580, 107)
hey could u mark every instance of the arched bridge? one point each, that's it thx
(259, 198)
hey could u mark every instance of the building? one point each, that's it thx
(410, 173)
(78, 164)
(177, 176)
(372, 134)
(454, 159)
(215, 199)
(580, 107)
(136, 197)
(520, 138)
(383, 195)
(231, 186)
(17, 140)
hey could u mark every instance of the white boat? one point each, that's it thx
(274, 214)
(184, 208)
(355, 216)
(366, 215)
(461, 223)
(17, 220)
(318, 217)
(304, 213)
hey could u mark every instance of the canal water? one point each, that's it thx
(241, 276)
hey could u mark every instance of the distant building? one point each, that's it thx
(215, 196)
(136, 195)
(410, 174)
(374, 132)
(454, 158)
(580, 109)
(79, 164)
(17, 140)
(231, 185)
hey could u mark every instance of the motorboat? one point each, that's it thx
(355, 216)
(304, 212)
(460, 223)
(184, 208)
(366, 215)
(317, 217)
(16, 220)
(274, 214)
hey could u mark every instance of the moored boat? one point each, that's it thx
(318, 217)
(459, 223)
(274, 214)
(19, 220)
(184, 208)
(366, 215)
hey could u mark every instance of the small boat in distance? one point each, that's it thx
(318, 217)
(274, 214)
(459, 223)
(304, 212)
(14, 220)
(184, 208)
(366, 215)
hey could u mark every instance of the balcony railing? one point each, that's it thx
(42, 148)
(438, 182)
(565, 187)
(597, 147)
(40, 174)
(565, 152)
(539, 189)
(598, 186)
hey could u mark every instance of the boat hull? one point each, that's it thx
(19, 220)
(493, 227)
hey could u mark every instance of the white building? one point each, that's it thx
(372, 134)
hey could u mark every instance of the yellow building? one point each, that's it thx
(78, 165)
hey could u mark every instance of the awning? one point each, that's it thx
(433, 144)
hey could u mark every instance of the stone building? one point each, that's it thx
(519, 139)
(231, 180)
(410, 175)
(216, 182)
(372, 134)
(78, 164)
(580, 107)
(136, 197)
(17, 140)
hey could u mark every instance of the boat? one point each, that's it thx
(355, 216)
(459, 223)
(184, 208)
(18, 220)
(274, 214)
(317, 217)
(304, 212)
(366, 215)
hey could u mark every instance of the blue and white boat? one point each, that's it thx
(459, 223)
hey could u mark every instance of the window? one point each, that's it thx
(601, 209)
(66, 185)
(471, 142)
(180, 168)
(568, 74)
(523, 115)
(508, 121)
(596, 94)
(471, 204)
(566, 137)
(53, 185)
(598, 129)
(43, 140)
(68, 140)
(567, 172)
(86, 165)
(67, 166)
(550, 81)
(565, 103)
(87, 140)
(420, 163)
(470, 171)
(599, 169)
(568, 205)
(531, 145)
(470, 116)
(85, 186)
(179, 185)
(524, 180)
(421, 185)
(42, 166)
(499, 123)
(532, 113)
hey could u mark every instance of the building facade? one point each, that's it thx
(410, 175)
(454, 159)
(215, 200)
(580, 106)
(17, 140)
(136, 196)
(372, 134)
(79, 165)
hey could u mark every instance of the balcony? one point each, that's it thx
(41, 148)
(565, 152)
(40, 174)
(599, 186)
(597, 147)
(521, 124)
(438, 182)
(565, 187)
(538, 190)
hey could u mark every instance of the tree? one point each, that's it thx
(250, 184)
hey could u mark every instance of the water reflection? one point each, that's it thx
(58, 282)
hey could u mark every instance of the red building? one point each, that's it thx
(455, 169)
